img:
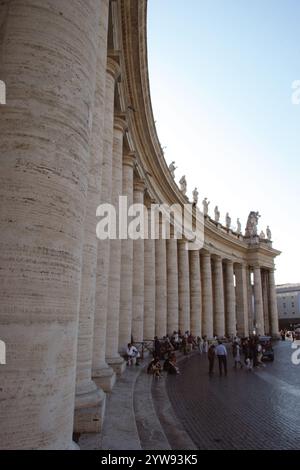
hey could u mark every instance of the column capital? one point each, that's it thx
(113, 67)
(205, 254)
(139, 185)
(217, 258)
(120, 122)
(129, 159)
(229, 262)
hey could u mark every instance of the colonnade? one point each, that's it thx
(71, 302)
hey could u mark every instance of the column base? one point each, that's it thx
(89, 411)
(104, 378)
(117, 363)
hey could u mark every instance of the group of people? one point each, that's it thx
(250, 348)
(169, 366)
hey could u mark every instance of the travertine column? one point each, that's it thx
(126, 260)
(160, 286)
(172, 290)
(138, 272)
(265, 293)
(207, 295)
(113, 357)
(250, 301)
(230, 299)
(273, 304)
(258, 301)
(183, 286)
(218, 292)
(89, 400)
(102, 374)
(149, 283)
(195, 288)
(45, 139)
(241, 300)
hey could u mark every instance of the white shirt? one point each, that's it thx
(221, 350)
(132, 351)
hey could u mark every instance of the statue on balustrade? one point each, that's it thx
(228, 221)
(195, 196)
(269, 233)
(262, 235)
(252, 222)
(172, 169)
(183, 185)
(205, 203)
(217, 214)
(239, 226)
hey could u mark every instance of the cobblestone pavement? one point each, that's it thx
(245, 410)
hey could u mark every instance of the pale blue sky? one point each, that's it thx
(221, 74)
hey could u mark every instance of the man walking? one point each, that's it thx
(221, 353)
(211, 358)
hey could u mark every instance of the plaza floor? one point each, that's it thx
(245, 410)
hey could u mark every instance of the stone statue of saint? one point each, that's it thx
(252, 222)
(269, 233)
(217, 214)
(239, 226)
(228, 220)
(195, 196)
(205, 203)
(183, 185)
(172, 169)
(262, 235)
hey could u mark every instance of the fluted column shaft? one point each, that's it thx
(230, 299)
(273, 304)
(207, 296)
(241, 300)
(126, 261)
(195, 289)
(45, 148)
(102, 374)
(258, 301)
(138, 272)
(149, 284)
(160, 286)
(172, 290)
(113, 357)
(183, 286)
(89, 400)
(218, 291)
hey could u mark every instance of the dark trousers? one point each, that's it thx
(222, 364)
(211, 362)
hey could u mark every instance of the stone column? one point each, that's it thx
(230, 299)
(265, 293)
(258, 302)
(126, 260)
(218, 292)
(102, 374)
(183, 286)
(113, 357)
(241, 300)
(195, 288)
(149, 284)
(172, 282)
(138, 272)
(45, 148)
(207, 295)
(250, 301)
(160, 286)
(89, 400)
(273, 304)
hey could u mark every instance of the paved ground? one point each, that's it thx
(245, 410)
